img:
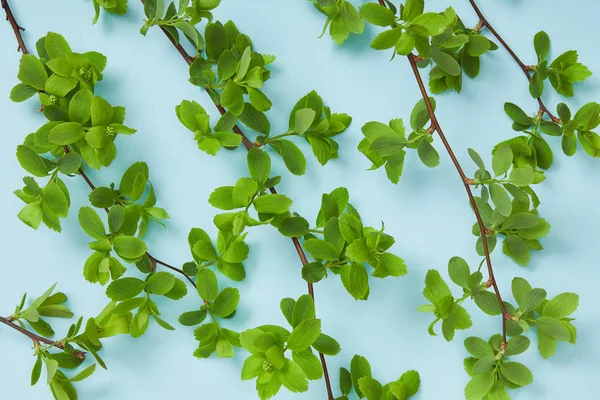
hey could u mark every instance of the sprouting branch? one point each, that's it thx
(153, 259)
(38, 339)
(15, 26)
(465, 180)
(248, 145)
(483, 22)
(435, 126)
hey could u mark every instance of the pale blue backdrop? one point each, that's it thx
(427, 213)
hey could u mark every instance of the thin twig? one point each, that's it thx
(465, 180)
(435, 125)
(483, 22)
(15, 26)
(39, 339)
(248, 145)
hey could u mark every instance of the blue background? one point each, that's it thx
(427, 212)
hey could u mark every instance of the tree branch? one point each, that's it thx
(39, 339)
(483, 22)
(465, 180)
(15, 26)
(248, 145)
(435, 125)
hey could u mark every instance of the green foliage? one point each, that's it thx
(342, 19)
(384, 145)
(268, 346)
(440, 39)
(179, 20)
(360, 379)
(118, 7)
(515, 219)
(562, 72)
(81, 127)
(58, 356)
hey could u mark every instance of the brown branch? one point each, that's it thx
(37, 339)
(15, 26)
(483, 22)
(248, 145)
(466, 183)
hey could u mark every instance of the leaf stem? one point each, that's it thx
(15, 26)
(274, 138)
(37, 338)
(483, 22)
(249, 145)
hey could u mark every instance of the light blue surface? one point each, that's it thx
(427, 212)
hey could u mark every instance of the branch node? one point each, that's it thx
(479, 26)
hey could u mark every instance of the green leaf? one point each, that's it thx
(56, 45)
(292, 156)
(358, 281)
(192, 318)
(31, 215)
(377, 14)
(553, 328)
(445, 61)
(160, 283)
(432, 23)
(321, 249)
(532, 300)
(359, 367)
(136, 172)
(91, 223)
(309, 363)
(205, 250)
(125, 288)
(516, 373)
(259, 165)
(207, 285)
(428, 154)
(516, 114)
(80, 106)
(541, 42)
(370, 388)
(459, 272)
(69, 163)
(387, 39)
(304, 119)
(226, 302)
(255, 119)
(561, 306)
(351, 18)
(36, 371)
(129, 247)
(84, 374)
(412, 9)
(32, 72)
(477, 45)
(293, 378)
(517, 345)
(232, 98)
(272, 204)
(66, 133)
(21, 92)
(294, 227)
(101, 111)
(56, 201)
(31, 161)
(522, 176)
(478, 347)
(304, 335)
(517, 249)
(502, 160)
(500, 199)
(479, 386)
(345, 381)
